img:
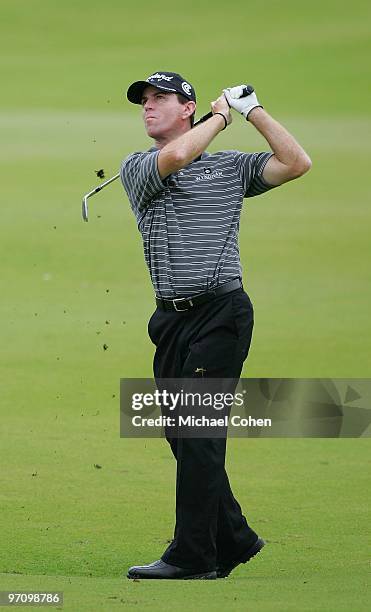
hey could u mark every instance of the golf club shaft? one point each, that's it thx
(113, 178)
(248, 89)
(116, 176)
(94, 191)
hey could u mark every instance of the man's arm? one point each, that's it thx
(289, 160)
(180, 152)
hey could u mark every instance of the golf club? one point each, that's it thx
(94, 191)
(247, 90)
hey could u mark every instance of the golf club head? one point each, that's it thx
(93, 192)
(85, 208)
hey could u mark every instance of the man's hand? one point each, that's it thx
(242, 105)
(178, 153)
(221, 106)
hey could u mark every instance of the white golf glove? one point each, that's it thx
(242, 98)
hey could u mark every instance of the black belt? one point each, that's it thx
(183, 304)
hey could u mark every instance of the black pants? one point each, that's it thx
(212, 340)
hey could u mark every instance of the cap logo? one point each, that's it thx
(161, 77)
(186, 88)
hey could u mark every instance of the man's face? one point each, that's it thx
(163, 114)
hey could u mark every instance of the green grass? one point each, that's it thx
(76, 528)
(305, 251)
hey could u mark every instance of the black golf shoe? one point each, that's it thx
(224, 570)
(159, 570)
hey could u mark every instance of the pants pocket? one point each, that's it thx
(243, 314)
(151, 328)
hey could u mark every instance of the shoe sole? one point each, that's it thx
(208, 576)
(253, 551)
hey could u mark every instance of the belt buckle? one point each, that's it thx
(182, 300)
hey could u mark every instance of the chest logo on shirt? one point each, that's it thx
(209, 175)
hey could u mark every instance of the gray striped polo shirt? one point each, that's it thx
(190, 220)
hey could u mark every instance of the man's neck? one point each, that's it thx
(162, 141)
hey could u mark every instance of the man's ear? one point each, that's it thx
(189, 108)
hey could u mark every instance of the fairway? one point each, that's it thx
(78, 504)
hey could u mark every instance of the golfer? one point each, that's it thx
(187, 203)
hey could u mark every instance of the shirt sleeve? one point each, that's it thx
(250, 168)
(141, 179)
